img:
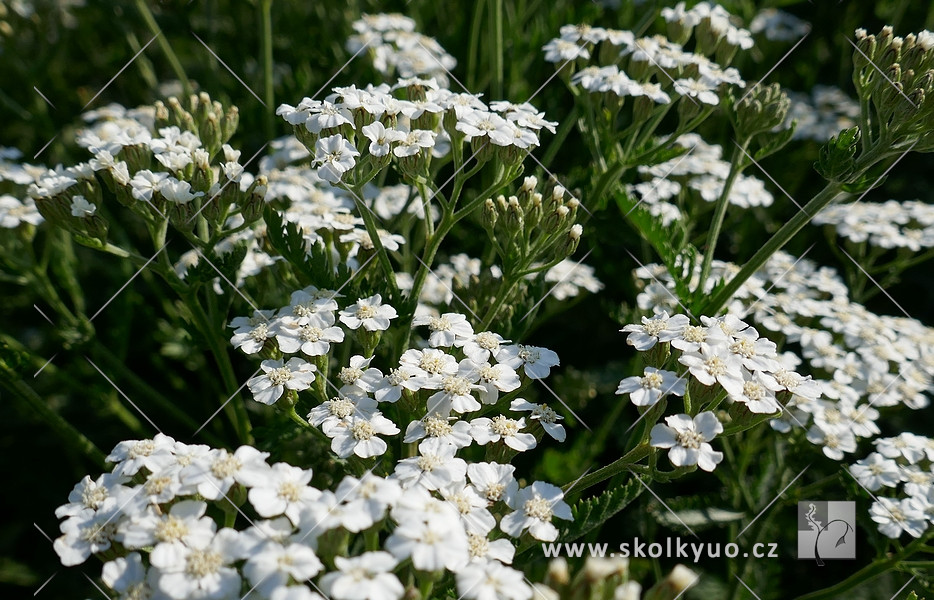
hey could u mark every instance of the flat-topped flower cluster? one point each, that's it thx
(178, 521)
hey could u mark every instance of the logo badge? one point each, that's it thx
(826, 530)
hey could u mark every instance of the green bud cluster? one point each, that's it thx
(213, 124)
(759, 111)
(531, 228)
(894, 78)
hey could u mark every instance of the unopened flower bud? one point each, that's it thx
(489, 214)
(229, 123)
(673, 586)
(515, 216)
(558, 572)
(253, 201)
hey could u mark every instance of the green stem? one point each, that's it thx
(719, 215)
(31, 401)
(618, 466)
(164, 45)
(373, 230)
(497, 48)
(234, 409)
(268, 83)
(773, 245)
(870, 571)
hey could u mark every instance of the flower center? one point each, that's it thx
(753, 390)
(260, 333)
(545, 414)
(494, 491)
(695, 334)
(366, 312)
(486, 340)
(743, 347)
(428, 462)
(350, 374)
(652, 381)
(310, 333)
(156, 485)
(653, 327)
(690, 439)
(456, 386)
(477, 545)
(172, 529)
(439, 324)
(290, 491)
(538, 508)
(362, 430)
(99, 535)
(225, 466)
(280, 375)
(715, 366)
(202, 563)
(432, 364)
(398, 377)
(437, 427)
(504, 427)
(143, 448)
(340, 407)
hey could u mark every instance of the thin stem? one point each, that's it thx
(618, 466)
(497, 48)
(720, 212)
(164, 46)
(373, 230)
(234, 409)
(32, 402)
(268, 83)
(773, 245)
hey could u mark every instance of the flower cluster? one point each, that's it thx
(699, 172)
(823, 113)
(397, 49)
(635, 62)
(157, 161)
(779, 26)
(165, 523)
(891, 224)
(906, 460)
(355, 133)
(862, 361)
(718, 359)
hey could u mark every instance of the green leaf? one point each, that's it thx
(590, 513)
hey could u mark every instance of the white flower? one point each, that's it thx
(251, 333)
(492, 581)
(359, 376)
(127, 576)
(482, 345)
(494, 481)
(649, 389)
(278, 377)
(659, 328)
(435, 426)
(311, 339)
(448, 330)
(184, 523)
(486, 430)
(434, 467)
(358, 436)
(214, 476)
(876, 471)
(281, 489)
(201, 569)
(709, 367)
(406, 377)
(471, 506)
(273, 564)
(687, 439)
(536, 361)
(370, 313)
(454, 393)
(338, 410)
(334, 156)
(896, 516)
(177, 191)
(534, 508)
(493, 379)
(545, 415)
(413, 141)
(81, 208)
(380, 138)
(365, 577)
(87, 532)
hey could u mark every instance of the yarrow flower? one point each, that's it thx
(369, 313)
(278, 377)
(687, 440)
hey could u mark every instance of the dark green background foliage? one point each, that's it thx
(134, 341)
